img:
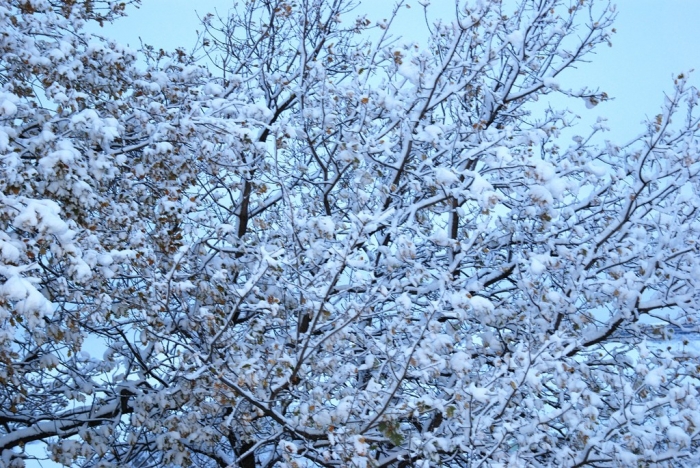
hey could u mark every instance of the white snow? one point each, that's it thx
(590, 102)
(460, 361)
(7, 108)
(537, 267)
(655, 378)
(42, 215)
(551, 83)
(481, 304)
(326, 225)
(30, 302)
(516, 38)
(444, 176)
(213, 89)
(540, 195)
(410, 72)
(678, 435)
(403, 302)
(430, 134)
(480, 394)
(8, 252)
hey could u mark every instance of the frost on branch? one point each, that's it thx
(321, 246)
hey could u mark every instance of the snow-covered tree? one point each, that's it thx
(310, 243)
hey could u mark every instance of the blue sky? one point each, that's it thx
(655, 40)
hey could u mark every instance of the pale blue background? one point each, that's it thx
(655, 40)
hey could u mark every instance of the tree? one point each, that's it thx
(306, 245)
